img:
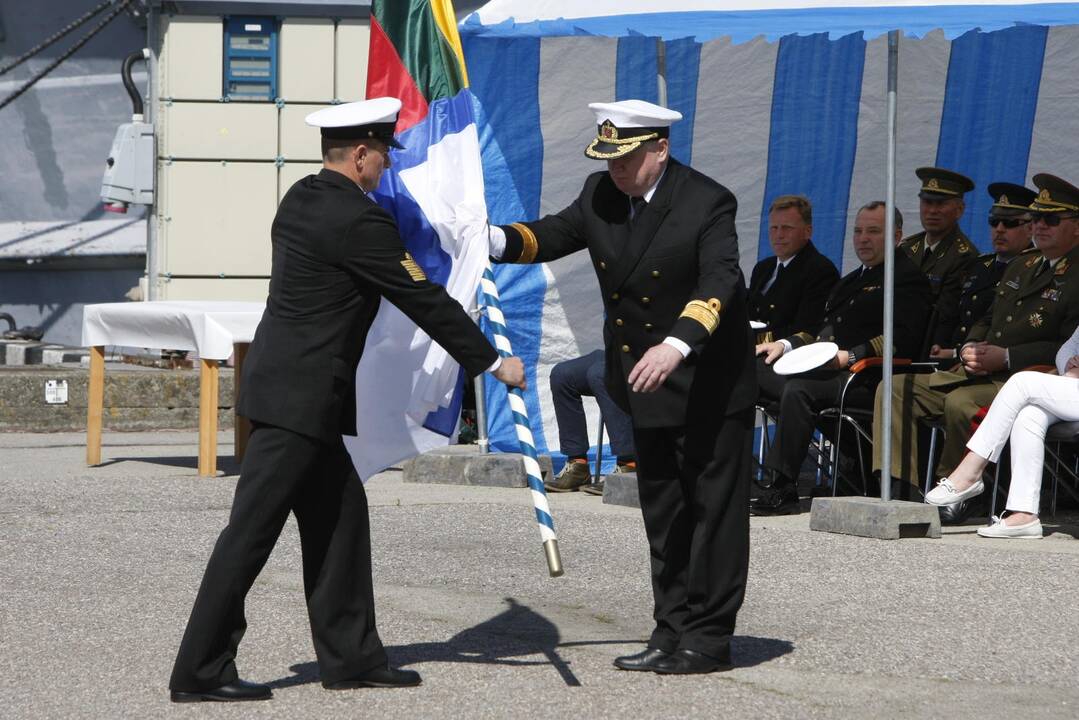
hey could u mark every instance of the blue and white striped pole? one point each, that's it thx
(489, 298)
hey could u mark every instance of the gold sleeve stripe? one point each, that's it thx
(414, 271)
(529, 244)
(704, 313)
(878, 344)
(805, 337)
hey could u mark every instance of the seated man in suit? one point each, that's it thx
(570, 381)
(1009, 223)
(942, 250)
(787, 292)
(1035, 310)
(853, 319)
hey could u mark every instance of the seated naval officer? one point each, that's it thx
(336, 254)
(1010, 232)
(853, 319)
(787, 291)
(679, 359)
(1035, 310)
(942, 250)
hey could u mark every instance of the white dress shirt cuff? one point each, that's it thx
(497, 364)
(678, 345)
(497, 244)
(786, 345)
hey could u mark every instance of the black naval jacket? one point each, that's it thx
(854, 313)
(945, 267)
(335, 254)
(1033, 314)
(795, 302)
(673, 273)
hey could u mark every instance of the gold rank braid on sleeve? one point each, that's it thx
(805, 337)
(877, 344)
(414, 271)
(529, 244)
(706, 313)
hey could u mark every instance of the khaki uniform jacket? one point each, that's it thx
(976, 299)
(1033, 314)
(945, 267)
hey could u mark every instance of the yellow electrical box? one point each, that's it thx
(219, 131)
(216, 217)
(305, 60)
(353, 39)
(191, 57)
(299, 141)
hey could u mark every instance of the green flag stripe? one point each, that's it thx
(410, 26)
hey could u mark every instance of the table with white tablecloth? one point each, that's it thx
(215, 330)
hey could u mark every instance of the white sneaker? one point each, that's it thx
(946, 494)
(998, 529)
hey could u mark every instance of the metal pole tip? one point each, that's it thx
(554, 559)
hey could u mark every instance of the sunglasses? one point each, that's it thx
(1007, 222)
(1051, 219)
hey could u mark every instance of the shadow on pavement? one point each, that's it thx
(226, 465)
(518, 634)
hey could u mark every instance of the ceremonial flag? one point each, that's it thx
(408, 389)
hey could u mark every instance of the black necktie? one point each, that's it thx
(774, 280)
(639, 204)
(1043, 267)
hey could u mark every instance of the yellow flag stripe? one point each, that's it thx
(447, 25)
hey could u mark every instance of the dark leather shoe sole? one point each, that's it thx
(400, 679)
(222, 695)
(792, 507)
(644, 661)
(690, 662)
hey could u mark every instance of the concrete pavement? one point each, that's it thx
(99, 566)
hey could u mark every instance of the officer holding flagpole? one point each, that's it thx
(679, 359)
(335, 255)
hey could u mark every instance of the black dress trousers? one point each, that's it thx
(285, 472)
(694, 487)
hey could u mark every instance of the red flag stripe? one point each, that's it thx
(388, 77)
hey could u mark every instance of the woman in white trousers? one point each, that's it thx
(1022, 411)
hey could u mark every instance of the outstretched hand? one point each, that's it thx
(771, 351)
(511, 372)
(652, 369)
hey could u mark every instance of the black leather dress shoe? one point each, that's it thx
(381, 677)
(647, 659)
(235, 691)
(776, 500)
(691, 662)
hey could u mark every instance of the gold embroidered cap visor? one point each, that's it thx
(614, 142)
(1054, 195)
(941, 184)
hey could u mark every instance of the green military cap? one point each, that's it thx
(1009, 199)
(941, 184)
(1055, 195)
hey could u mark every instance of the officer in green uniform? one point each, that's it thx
(1009, 227)
(941, 250)
(1035, 310)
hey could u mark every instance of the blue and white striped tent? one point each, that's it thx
(789, 99)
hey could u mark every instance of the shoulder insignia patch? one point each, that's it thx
(414, 271)
(1062, 266)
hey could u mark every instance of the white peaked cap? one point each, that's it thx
(363, 112)
(634, 114)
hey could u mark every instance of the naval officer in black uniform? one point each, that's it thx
(679, 358)
(335, 255)
(787, 291)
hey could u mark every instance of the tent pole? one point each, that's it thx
(661, 72)
(889, 274)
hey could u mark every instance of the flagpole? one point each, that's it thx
(497, 322)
